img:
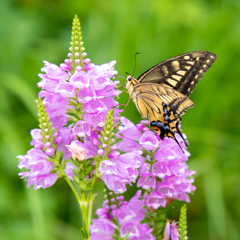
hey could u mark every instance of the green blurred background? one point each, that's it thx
(35, 30)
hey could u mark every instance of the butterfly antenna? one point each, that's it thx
(135, 62)
(119, 75)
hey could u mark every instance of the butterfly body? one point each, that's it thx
(161, 93)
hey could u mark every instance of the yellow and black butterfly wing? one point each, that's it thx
(149, 99)
(163, 106)
(182, 72)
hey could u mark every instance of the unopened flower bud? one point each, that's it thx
(78, 68)
(57, 140)
(50, 151)
(39, 146)
(104, 145)
(100, 152)
(54, 134)
(84, 54)
(86, 61)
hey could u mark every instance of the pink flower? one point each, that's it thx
(40, 169)
(77, 151)
(128, 216)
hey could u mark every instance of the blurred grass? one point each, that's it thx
(33, 31)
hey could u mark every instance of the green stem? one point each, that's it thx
(73, 189)
(91, 199)
(84, 208)
(69, 182)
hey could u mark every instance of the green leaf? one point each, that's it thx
(17, 86)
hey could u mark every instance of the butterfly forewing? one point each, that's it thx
(182, 72)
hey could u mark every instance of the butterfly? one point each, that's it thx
(161, 93)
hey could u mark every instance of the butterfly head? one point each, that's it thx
(130, 78)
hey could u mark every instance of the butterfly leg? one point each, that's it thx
(180, 133)
(172, 135)
(164, 131)
(124, 105)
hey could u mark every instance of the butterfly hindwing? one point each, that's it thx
(163, 106)
(149, 99)
(182, 72)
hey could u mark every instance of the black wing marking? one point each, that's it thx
(182, 72)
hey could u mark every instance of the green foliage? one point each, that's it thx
(33, 31)
(156, 219)
(183, 223)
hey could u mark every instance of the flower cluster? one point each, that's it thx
(78, 118)
(119, 218)
(164, 172)
(40, 160)
(77, 95)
